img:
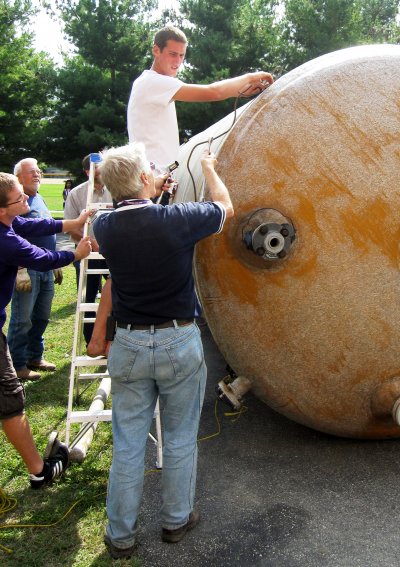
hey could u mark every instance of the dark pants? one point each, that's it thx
(12, 395)
(93, 286)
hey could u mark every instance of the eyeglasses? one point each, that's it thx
(22, 198)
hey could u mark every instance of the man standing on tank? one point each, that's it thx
(151, 109)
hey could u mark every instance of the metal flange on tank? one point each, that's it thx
(271, 240)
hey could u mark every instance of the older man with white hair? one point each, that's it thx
(157, 350)
(34, 290)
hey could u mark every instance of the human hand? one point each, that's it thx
(160, 181)
(94, 243)
(208, 160)
(98, 347)
(58, 276)
(23, 282)
(83, 249)
(85, 214)
(257, 82)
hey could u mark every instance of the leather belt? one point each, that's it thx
(166, 325)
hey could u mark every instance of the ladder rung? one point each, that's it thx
(88, 376)
(95, 256)
(97, 271)
(89, 319)
(90, 361)
(84, 416)
(88, 307)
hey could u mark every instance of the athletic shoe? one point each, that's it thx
(54, 465)
(173, 536)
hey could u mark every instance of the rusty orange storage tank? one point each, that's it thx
(302, 289)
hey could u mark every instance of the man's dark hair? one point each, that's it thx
(169, 32)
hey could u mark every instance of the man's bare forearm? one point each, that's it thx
(216, 189)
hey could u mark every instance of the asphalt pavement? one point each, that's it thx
(274, 493)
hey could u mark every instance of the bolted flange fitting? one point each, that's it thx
(271, 240)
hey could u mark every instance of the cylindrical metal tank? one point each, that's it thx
(302, 289)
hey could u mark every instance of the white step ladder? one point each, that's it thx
(88, 369)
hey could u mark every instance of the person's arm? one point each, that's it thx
(248, 85)
(72, 210)
(215, 188)
(19, 252)
(98, 344)
(76, 225)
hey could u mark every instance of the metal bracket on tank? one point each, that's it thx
(270, 239)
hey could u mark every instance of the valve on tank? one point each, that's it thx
(232, 389)
(268, 234)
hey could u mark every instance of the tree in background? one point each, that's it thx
(26, 85)
(112, 38)
(316, 27)
(378, 21)
(226, 38)
(60, 115)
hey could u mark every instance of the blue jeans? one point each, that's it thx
(30, 313)
(168, 363)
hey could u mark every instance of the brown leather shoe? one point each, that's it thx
(119, 552)
(41, 365)
(26, 374)
(173, 536)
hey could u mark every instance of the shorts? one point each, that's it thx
(12, 393)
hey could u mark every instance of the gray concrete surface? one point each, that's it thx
(274, 493)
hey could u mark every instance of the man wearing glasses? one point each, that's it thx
(34, 291)
(17, 251)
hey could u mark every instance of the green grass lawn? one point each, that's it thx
(77, 539)
(52, 194)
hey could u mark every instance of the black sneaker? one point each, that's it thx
(173, 536)
(119, 552)
(56, 462)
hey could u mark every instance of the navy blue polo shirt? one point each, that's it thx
(149, 250)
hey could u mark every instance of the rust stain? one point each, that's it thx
(306, 212)
(281, 158)
(304, 268)
(329, 187)
(369, 225)
(227, 274)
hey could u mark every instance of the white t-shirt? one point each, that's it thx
(152, 117)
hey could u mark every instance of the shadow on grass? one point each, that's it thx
(51, 516)
(63, 312)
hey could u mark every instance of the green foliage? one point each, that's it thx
(316, 27)
(60, 115)
(226, 38)
(26, 86)
(87, 119)
(113, 42)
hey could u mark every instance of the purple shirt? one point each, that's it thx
(16, 251)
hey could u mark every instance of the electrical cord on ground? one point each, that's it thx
(7, 504)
